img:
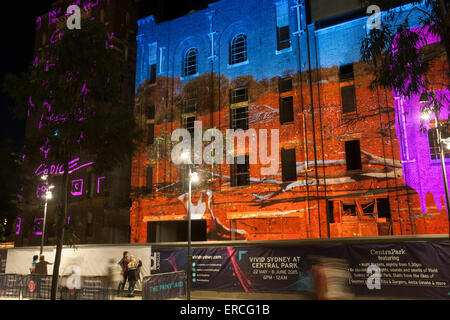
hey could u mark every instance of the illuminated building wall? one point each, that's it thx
(263, 65)
(98, 204)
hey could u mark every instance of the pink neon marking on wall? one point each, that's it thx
(38, 222)
(98, 183)
(77, 187)
(18, 225)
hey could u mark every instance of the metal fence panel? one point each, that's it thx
(36, 287)
(10, 285)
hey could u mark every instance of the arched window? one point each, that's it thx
(238, 49)
(190, 62)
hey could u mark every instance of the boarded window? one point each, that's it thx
(240, 171)
(288, 165)
(286, 110)
(348, 99)
(353, 155)
(190, 106)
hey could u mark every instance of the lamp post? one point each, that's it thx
(193, 178)
(426, 115)
(48, 196)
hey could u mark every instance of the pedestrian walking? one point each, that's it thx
(134, 268)
(33, 264)
(124, 265)
(114, 276)
(41, 266)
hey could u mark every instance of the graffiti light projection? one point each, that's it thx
(18, 225)
(98, 183)
(57, 169)
(37, 228)
(420, 171)
(77, 187)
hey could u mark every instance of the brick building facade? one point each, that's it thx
(343, 168)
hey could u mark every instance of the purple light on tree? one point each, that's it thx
(420, 172)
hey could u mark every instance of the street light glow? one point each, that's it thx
(44, 177)
(426, 114)
(48, 195)
(194, 177)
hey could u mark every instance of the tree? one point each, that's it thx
(75, 107)
(401, 67)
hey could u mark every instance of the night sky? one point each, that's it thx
(18, 27)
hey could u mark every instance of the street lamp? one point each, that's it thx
(48, 196)
(193, 178)
(426, 115)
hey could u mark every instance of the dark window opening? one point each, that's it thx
(89, 230)
(368, 208)
(283, 38)
(176, 231)
(238, 95)
(353, 155)
(384, 208)
(150, 112)
(286, 110)
(190, 106)
(240, 172)
(239, 118)
(288, 165)
(151, 134)
(285, 84)
(189, 125)
(152, 73)
(149, 182)
(346, 72)
(330, 212)
(348, 99)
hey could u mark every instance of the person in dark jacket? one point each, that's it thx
(41, 266)
(124, 265)
(134, 268)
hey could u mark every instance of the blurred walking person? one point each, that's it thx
(113, 278)
(134, 268)
(124, 265)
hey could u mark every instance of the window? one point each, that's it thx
(434, 146)
(348, 99)
(89, 226)
(190, 62)
(190, 106)
(346, 72)
(149, 182)
(330, 211)
(239, 118)
(238, 50)
(150, 112)
(288, 165)
(238, 95)
(384, 208)
(240, 171)
(286, 110)
(176, 231)
(189, 124)
(152, 73)
(285, 84)
(151, 134)
(283, 34)
(353, 155)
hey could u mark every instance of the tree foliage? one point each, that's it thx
(394, 47)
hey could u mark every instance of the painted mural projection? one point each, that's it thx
(419, 150)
